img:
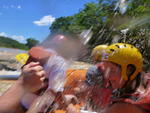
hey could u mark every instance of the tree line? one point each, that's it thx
(11, 43)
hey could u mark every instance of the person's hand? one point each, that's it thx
(33, 76)
(72, 109)
(68, 99)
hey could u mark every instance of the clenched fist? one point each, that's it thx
(33, 76)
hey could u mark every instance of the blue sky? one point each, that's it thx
(22, 19)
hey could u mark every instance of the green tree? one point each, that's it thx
(10, 43)
(31, 42)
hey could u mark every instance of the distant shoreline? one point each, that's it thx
(12, 50)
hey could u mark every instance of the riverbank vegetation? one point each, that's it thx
(10, 43)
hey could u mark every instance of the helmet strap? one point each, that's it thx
(128, 88)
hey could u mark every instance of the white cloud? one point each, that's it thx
(45, 21)
(19, 38)
(19, 6)
(3, 34)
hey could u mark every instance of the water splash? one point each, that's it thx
(55, 70)
(115, 39)
(71, 49)
(138, 21)
(122, 6)
(42, 103)
(124, 31)
(86, 35)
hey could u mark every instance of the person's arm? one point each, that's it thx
(31, 80)
(123, 108)
(10, 101)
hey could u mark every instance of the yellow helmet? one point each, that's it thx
(124, 55)
(98, 51)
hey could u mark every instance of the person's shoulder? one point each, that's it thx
(123, 108)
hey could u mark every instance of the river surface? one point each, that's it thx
(11, 50)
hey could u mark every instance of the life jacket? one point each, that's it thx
(59, 111)
(101, 97)
(76, 106)
(73, 77)
(140, 99)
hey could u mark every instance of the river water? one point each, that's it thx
(11, 50)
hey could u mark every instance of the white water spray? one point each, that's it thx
(122, 6)
(86, 35)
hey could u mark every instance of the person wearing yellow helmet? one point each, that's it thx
(97, 52)
(120, 78)
(125, 55)
(114, 78)
(129, 59)
(106, 78)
